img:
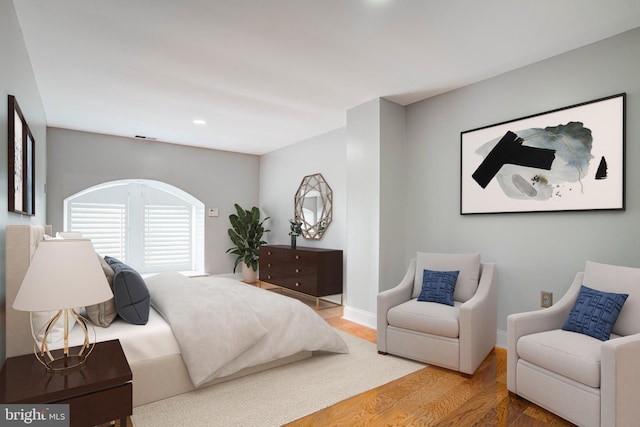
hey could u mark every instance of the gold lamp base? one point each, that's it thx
(66, 362)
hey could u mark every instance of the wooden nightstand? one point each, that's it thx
(98, 392)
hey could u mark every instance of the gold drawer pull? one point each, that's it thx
(297, 284)
(297, 270)
(297, 256)
(268, 252)
(268, 265)
(268, 277)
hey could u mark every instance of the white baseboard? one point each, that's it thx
(361, 317)
(502, 339)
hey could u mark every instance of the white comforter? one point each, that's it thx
(223, 325)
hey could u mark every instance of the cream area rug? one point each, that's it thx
(280, 395)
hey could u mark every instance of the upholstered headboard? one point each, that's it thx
(22, 241)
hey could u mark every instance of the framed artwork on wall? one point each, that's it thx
(21, 159)
(568, 159)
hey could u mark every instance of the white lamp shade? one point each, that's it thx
(63, 274)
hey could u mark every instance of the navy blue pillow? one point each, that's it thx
(130, 293)
(438, 286)
(594, 313)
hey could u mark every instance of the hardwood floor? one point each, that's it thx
(434, 397)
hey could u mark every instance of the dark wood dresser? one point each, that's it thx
(312, 271)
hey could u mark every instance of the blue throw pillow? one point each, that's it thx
(438, 286)
(594, 313)
(130, 293)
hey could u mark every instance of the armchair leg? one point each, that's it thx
(384, 353)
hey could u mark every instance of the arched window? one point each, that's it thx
(150, 225)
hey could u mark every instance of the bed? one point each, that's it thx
(163, 361)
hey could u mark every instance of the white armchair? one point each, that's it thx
(456, 337)
(580, 378)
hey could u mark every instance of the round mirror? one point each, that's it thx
(313, 205)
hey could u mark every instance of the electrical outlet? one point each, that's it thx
(546, 299)
(213, 212)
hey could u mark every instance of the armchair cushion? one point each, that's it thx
(569, 354)
(438, 286)
(426, 317)
(595, 313)
(467, 264)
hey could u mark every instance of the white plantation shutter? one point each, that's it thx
(104, 224)
(167, 237)
(150, 225)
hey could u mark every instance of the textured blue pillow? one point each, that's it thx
(594, 313)
(438, 286)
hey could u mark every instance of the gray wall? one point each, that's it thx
(281, 172)
(78, 160)
(535, 251)
(16, 78)
(375, 184)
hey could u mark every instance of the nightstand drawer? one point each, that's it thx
(93, 409)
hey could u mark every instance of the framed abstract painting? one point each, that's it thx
(568, 159)
(21, 159)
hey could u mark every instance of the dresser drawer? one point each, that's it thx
(271, 264)
(300, 271)
(304, 285)
(270, 269)
(296, 257)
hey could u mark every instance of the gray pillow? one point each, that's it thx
(130, 293)
(104, 313)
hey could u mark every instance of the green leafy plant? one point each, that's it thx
(246, 234)
(296, 227)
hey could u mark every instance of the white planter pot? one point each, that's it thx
(248, 275)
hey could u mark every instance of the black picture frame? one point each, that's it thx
(21, 159)
(567, 159)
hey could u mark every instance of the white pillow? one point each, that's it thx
(467, 264)
(39, 320)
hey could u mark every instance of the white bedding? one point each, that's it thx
(289, 328)
(139, 342)
(223, 325)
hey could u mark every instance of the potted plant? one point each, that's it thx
(246, 234)
(296, 229)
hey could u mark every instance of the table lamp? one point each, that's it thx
(63, 275)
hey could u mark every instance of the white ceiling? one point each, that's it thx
(268, 73)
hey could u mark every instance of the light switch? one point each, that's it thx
(213, 212)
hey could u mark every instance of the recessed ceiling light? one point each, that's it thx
(199, 122)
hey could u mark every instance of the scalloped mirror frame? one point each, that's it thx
(313, 205)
